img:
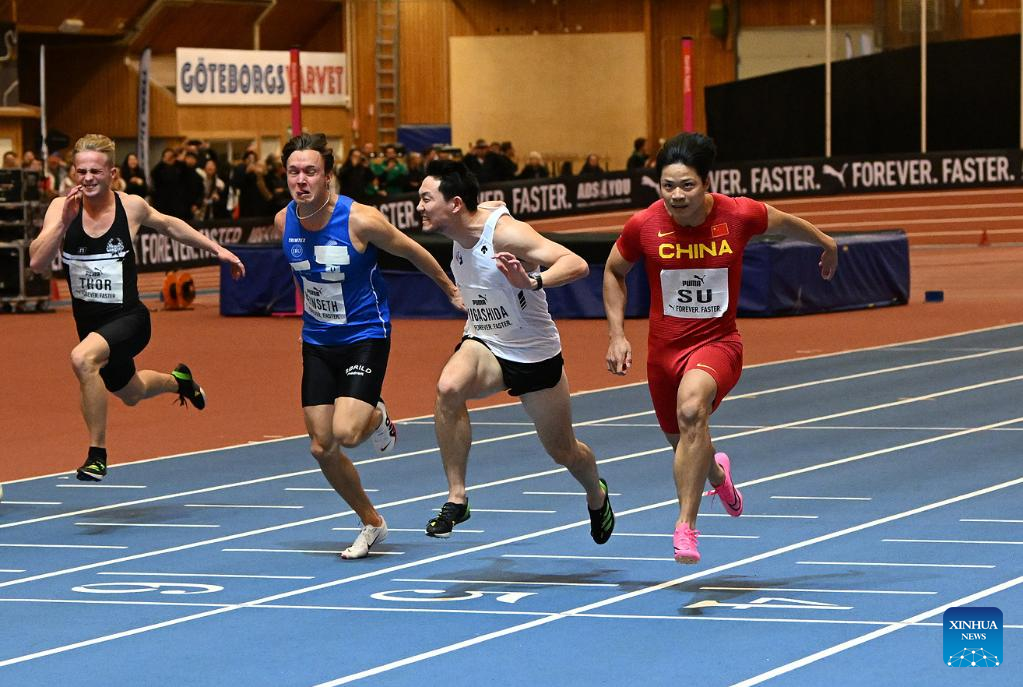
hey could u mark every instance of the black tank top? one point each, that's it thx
(101, 272)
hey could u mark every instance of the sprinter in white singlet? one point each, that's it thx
(510, 342)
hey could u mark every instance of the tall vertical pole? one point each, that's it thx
(827, 78)
(43, 149)
(687, 84)
(142, 142)
(1021, 75)
(923, 76)
(295, 72)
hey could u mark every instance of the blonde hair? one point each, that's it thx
(98, 143)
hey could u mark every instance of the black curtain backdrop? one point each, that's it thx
(972, 104)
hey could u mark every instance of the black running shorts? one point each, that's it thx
(351, 371)
(522, 378)
(127, 334)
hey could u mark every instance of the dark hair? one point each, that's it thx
(689, 149)
(638, 143)
(317, 142)
(456, 180)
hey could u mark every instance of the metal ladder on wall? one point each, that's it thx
(386, 58)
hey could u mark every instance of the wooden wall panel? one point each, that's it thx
(100, 99)
(500, 17)
(986, 22)
(714, 62)
(802, 12)
(258, 122)
(361, 58)
(423, 62)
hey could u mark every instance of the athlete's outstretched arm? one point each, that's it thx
(59, 216)
(520, 248)
(783, 223)
(144, 214)
(616, 294)
(370, 225)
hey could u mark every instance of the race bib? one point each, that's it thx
(695, 294)
(492, 310)
(325, 302)
(98, 281)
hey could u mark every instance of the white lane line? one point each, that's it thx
(510, 480)
(260, 480)
(10, 570)
(878, 564)
(823, 498)
(752, 515)
(874, 373)
(509, 510)
(527, 582)
(418, 530)
(584, 392)
(247, 577)
(138, 524)
(239, 505)
(330, 551)
(330, 489)
(475, 549)
(818, 591)
(32, 503)
(702, 535)
(585, 558)
(480, 639)
(62, 546)
(988, 520)
(881, 632)
(563, 493)
(868, 428)
(93, 485)
(382, 609)
(953, 541)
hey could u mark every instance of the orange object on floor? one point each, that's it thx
(178, 291)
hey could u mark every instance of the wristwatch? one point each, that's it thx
(539, 282)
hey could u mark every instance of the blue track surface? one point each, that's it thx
(906, 462)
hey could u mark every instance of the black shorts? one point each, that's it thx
(351, 371)
(127, 334)
(522, 378)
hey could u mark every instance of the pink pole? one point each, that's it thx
(295, 79)
(687, 84)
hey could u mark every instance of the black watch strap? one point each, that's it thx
(539, 282)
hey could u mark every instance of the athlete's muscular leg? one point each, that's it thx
(694, 453)
(354, 421)
(335, 465)
(146, 384)
(551, 412)
(471, 372)
(87, 359)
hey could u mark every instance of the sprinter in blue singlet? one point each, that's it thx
(331, 243)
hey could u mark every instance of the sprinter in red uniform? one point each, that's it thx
(691, 242)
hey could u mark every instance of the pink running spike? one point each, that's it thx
(730, 497)
(685, 544)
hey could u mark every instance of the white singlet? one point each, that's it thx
(514, 323)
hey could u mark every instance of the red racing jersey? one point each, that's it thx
(694, 272)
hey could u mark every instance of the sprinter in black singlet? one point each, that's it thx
(94, 227)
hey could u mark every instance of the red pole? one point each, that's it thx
(295, 81)
(687, 84)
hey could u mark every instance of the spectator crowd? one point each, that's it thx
(191, 182)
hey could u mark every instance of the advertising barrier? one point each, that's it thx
(624, 191)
